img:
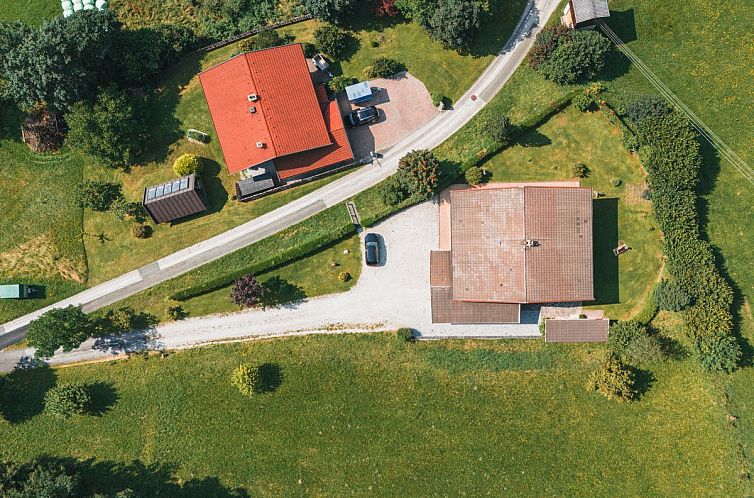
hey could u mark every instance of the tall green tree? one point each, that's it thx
(579, 57)
(63, 61)
(334, 11)
(58, 328)
(111, 130)
(455, 22)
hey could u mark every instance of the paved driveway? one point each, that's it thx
(405, 106)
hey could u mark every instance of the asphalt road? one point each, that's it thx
(427, 137)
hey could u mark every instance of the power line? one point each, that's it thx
(722, 148)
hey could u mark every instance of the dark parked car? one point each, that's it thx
(372, 249)
(362, 116)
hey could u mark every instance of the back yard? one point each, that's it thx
(369, 414)
(550, 153)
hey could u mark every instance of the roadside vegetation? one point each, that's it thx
(346, 396)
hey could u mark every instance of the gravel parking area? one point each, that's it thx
(405, 105)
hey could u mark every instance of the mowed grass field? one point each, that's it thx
(359, 415)
(30, 11)
(703, 52)
(549, 153)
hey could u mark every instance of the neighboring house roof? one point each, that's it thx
(490, 259)
(586, 330)
(288, 117)
(174, 199)
(587, 10)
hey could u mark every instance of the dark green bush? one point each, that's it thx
(670, 296)
(614, 380)
(622, 333)
(339, 83)
(310, 50)
(393, 192)
(98, 196)
(647, 107)
(454, 22)
(474, 175)
(644, 350)
(332, 40)
(66, 400)
(580, 170)
(384, 67)
(405, 335)
(580, 57)
(718, 353)
(141, 231)
(333, 11)
(546, 42)
(264, 39)
(418, 171)
(583, 103)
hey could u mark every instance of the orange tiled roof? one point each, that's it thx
(288, 117)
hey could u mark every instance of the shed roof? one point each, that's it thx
(11, 291)
(587, 10)
(359, 92)
(587, 330)
(287, 118)
(491, 262)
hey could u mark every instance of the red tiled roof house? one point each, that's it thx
(271, 118)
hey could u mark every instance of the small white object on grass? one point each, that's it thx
(346, 251)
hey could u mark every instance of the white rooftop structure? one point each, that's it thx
(360, 92)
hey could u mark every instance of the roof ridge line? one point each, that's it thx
(261, 104)
(526, 265)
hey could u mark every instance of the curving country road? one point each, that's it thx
(427, 137)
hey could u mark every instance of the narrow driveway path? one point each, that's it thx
(427, 137)
(387, 297)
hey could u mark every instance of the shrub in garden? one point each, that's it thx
(383, 67)
(187, 164)
(630, 142)
(141, 231)
(673, 160)
(438, 98)
(385, 8)
(98, 196)
(418, 171)
(405, 335)
(176, 313)
(580, 57)
(474, 175)
(310, 50)
(122, 209)
(344, 276)
(580, 170)
(331, 40)
(339, 83)
(616, 182)
(247, 379)
(595, 89)
(264, 39)
(614, 380)
(500, 128)
(66, 400)
(718, 353)
(622, 333)
(644, 350)
(393, 192)
(583, 103)
(329, 10)
(247, 291)
(647, 106)
(546, 42)
(670, 296)
(454, 22)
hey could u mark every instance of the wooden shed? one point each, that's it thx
(584, 14)
(175, 199)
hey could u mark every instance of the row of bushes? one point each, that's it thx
(671, 154)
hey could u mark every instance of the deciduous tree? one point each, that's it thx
(58, 328)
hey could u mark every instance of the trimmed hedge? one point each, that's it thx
(672, 157)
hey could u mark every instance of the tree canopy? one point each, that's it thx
(63, 328)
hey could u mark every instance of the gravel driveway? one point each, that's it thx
(392, 295)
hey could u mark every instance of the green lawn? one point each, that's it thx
(548, 153)
(702, 51)
(370, 415)
(443, 71)
(40, 220)
(306, 278)
(30, 11)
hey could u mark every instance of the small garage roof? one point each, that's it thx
(582, 330)
(11, 291)
(359, 92)
(587, 10)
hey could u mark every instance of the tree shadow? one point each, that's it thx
(495, 34)
(534, 138)
(605, 239)
(11, 119)
(109, 478)
(164, 127)
(271, 376)
(280, 292)
(643, 381)
(673, 349)
(22, 392)
(104, 397)
(364, 19)
(623, 22)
